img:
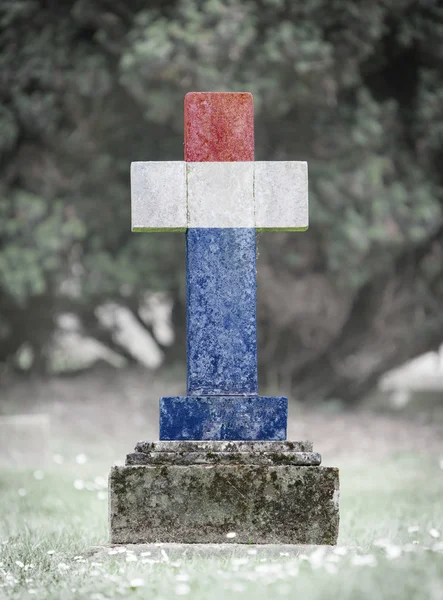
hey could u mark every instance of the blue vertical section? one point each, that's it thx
(221, 311)
(222, 401)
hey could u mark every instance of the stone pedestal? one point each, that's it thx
(199, 492)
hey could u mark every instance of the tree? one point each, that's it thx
(354, 88)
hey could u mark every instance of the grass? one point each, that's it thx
(391, 505)
(50, 520)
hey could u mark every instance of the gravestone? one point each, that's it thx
(222, 470)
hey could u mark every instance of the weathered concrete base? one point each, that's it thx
(260, 502)
(224, 452)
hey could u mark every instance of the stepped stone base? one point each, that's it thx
(200, 492)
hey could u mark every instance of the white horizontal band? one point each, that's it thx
(175, 195)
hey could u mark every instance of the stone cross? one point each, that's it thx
(222, 471)
(220, 196)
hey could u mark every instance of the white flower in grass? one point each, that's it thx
(22, 492)
(392, 552)
(292, 568)
(32, 591)
(136, 583)
(145, 553)
(81, 459)
(79, 484)
(182, 589)
(434, 533)
(364, 560)
(50, 552)
(231, 535)
(113, 551)
(19, 564)
(237, 562)
(10, 579)
(131, 558)
(382, 543)
(164, 555)
(413, 528)
(267, 568)
(39, 475)
(63, 567)
(333, 558)
(317, 557)
(331, 568)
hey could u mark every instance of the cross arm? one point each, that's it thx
(158, 196)
(175, 195)
(281, 195)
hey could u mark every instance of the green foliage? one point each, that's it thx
(36, 238)
(354, 88)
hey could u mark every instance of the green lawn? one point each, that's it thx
(392, 510)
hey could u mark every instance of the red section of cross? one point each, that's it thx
(219, 127)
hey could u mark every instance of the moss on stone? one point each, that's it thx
(262, 504)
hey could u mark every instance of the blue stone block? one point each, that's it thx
(221, 311)
(223, 418)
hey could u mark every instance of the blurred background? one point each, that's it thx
(356, 89)
(92, 316)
